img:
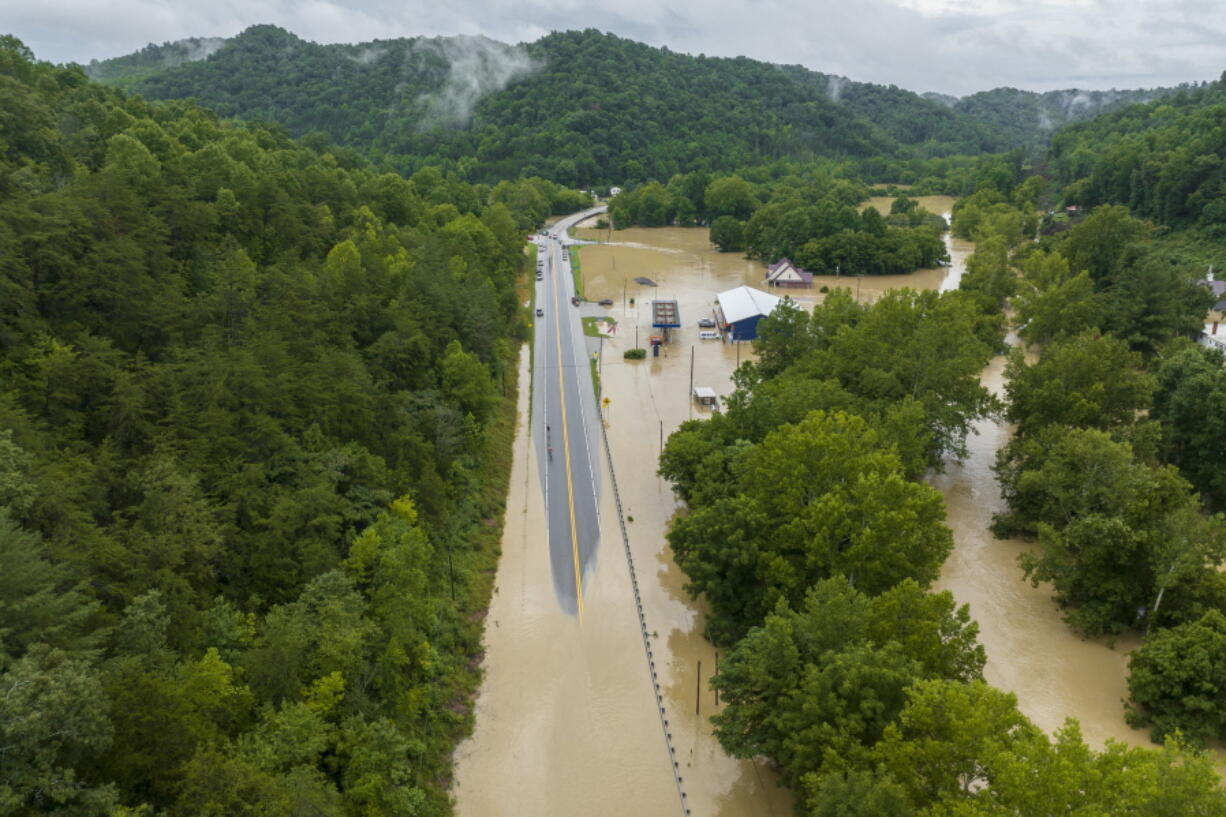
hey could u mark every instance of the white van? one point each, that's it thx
(708, 335)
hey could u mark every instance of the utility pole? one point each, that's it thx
(691, 371)
(698, 688)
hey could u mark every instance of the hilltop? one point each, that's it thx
(578, 107)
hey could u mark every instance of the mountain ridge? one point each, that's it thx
(609, 108)
(603, 108)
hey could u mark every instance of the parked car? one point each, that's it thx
(605, 302)
(540, 312)
(709, 334)
(706, 323)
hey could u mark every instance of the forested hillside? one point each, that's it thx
(123, 72)
(227, 359)
(1163, 160)
(581, 108)
(1029, 118)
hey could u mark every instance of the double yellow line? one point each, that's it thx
(570, 488)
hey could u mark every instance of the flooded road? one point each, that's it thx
(566, 720)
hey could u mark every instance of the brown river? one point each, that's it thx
(566, 718)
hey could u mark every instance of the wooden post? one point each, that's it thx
(698, 688)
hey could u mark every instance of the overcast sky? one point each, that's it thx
(952, 46)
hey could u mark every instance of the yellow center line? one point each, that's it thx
(570, 488)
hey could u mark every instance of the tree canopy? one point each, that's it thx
(253, 416)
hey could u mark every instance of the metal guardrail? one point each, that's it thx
(647, 651)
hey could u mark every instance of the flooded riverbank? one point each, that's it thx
(565, 718)
(1031, 651)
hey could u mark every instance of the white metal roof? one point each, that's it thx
(704, 391)
(744, 302)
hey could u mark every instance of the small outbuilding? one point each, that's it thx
(738, 311)
(706, 397)
(783, 273)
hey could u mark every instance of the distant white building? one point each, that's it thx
(1212, 336)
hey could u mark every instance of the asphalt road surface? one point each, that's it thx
(565, 421)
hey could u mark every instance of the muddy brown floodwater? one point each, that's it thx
(1031, 651)
(565, 719)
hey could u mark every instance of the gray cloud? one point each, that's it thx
(951, 46)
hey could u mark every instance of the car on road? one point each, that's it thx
(540, 312)
(605, 302)
(706, 323)
(709, 334)
(540, 275)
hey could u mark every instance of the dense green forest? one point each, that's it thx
(1162, 160)
(227, 361)
(581, 108)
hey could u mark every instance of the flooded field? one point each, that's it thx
(565, 718)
